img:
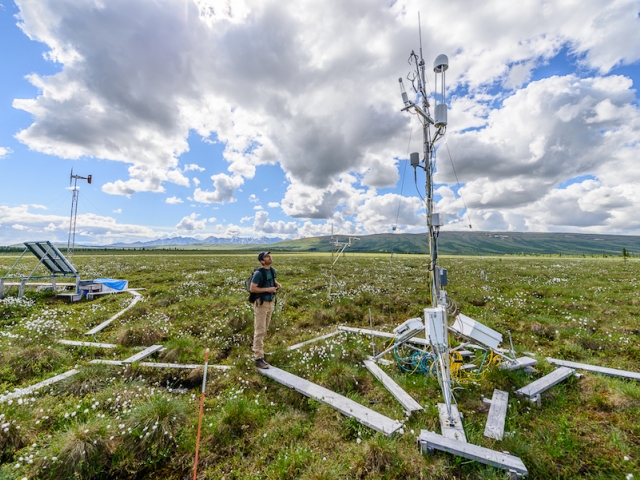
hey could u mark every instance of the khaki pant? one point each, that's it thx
(262, 318)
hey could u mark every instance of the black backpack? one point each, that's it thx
(247, 283)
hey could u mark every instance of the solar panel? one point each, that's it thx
(51, 258)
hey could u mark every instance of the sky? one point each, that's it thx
(283, 119)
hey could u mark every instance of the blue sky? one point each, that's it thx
(208, 117)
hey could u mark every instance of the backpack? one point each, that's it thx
(247, 283)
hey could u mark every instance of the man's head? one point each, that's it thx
(265, 258)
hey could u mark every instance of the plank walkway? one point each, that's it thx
(316, 339)
(87, 344)
(533, 391)
(136, 298)
(612, 372)
(453, 431)
(344, 405)
(497, 415)
(24, 391)
(430, 441)
(185, 366)
(522, 362)
(377, 333)
(143, 354)
(409, 404)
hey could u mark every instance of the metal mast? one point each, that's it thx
(436, 316)
(71, 241)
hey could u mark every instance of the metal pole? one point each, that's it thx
(204, 383)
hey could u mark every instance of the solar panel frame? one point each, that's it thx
(49, 255)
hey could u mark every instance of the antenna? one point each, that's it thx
(71, 241)
(435, 317)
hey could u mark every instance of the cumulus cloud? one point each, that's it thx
(90, 228)
(225, 187)
(5, 152)
(173, 200)
(263, 225)
(544, 135)
(191, 223)
(273, 204)
(325, 106)
(192, 166)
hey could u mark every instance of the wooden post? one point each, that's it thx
(204, 383)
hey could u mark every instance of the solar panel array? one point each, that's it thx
(49, 255)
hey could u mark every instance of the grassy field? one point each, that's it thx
(140, 423)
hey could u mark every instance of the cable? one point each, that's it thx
(458, 182)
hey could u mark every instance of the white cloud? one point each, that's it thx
(273, 204)
(263, 225)
(5, 152)
(190, 223)
(117, 210)
(173, 200)
(195, 181)
(192, 166)
(224, 185)
(90, 228)
(551, 131)
(325, 106)
(253, 198)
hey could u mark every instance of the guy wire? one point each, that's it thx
(458, 182)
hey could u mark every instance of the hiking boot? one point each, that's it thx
(260, 363)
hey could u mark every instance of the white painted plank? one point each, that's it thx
(136, 298)
(409, 404)
(377, 333)
(25, 391)
(613, 372)
(143, 354)
(455, 430)
(344, 405)
(316, 339)
(429, 441)
(184, 366)
(497, 415)
(107, 362)
(87, 344)
(519, 363)
(545, 383)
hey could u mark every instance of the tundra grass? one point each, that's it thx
(138, 422)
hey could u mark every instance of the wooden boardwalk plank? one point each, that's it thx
(409, 404)
(87, 344)
(534, 389)
(453, 431)
(497, 415)
(522, 362)
(25, 391)
(185, 366)
(136, 298)
(344, 405)
(143, 354)
(430, 441)
(316, 339)
(613, 372)
(377, 333)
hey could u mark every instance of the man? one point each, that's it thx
(265, 285)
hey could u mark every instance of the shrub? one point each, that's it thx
(83, 450)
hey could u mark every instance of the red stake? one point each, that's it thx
(204, 382)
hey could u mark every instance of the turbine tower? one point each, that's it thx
(71, 241)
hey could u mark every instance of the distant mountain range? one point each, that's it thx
(450, 243)
(181, 241)
(476, 243)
